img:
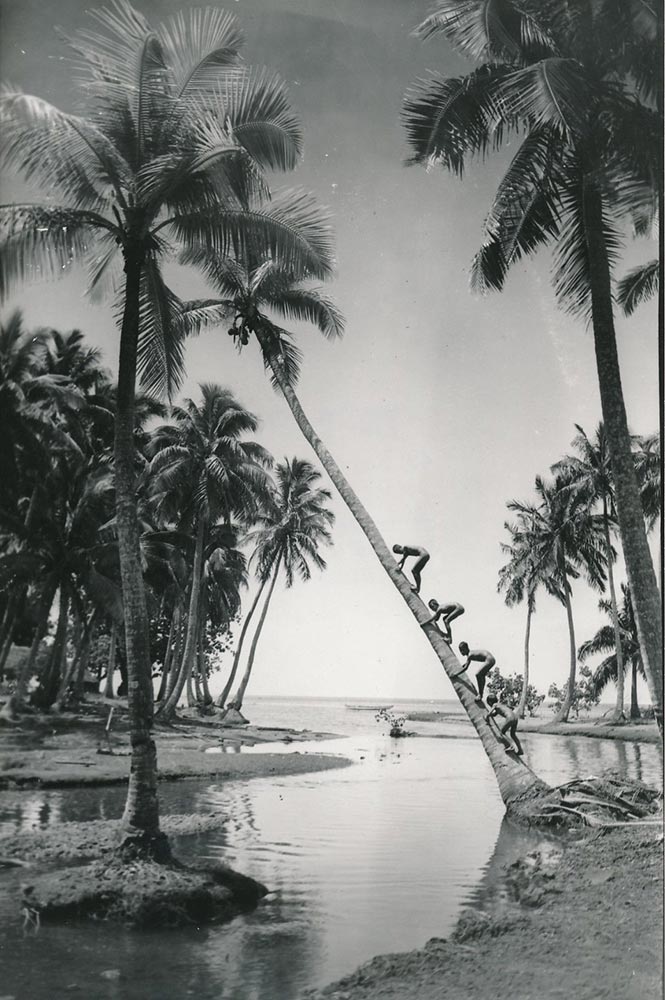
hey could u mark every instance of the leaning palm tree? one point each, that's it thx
(293, 526)
(566, 541)
(590, 472)
(252, 289)
(604, 642)
(171, 151)
(519, 579)
(203, 471)
(575, 84)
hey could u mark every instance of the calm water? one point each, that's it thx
(372, 858)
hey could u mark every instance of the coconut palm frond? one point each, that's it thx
(64, 152)
(553, 92)
(160, 362)
(198, 45)
(638, 286)
(227, 275)
(487, 28)
(308, 306)
(257, 110)
(288, 356)
(292, 228)
(448, 120)
(40, 241)
(572, 268)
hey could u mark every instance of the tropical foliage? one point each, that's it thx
(552, 79)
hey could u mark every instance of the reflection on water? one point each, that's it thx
(374, 858)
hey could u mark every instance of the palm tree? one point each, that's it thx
(204, 473)
(566, 540)
(520, 578)
(251, 289)
(172, 151)
(604, 642)
(292, 527)
(574, 82)
(590, 472)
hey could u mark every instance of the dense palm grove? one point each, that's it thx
(207, 501)
(129, 525)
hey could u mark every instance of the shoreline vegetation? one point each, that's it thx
(644, 731)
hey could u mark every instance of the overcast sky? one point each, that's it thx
(439, 405)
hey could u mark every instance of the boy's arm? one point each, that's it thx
(429, 621)
(490, 715)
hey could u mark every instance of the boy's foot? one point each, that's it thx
(509, 750)
(478, 700)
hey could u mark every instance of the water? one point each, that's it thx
(372, 858)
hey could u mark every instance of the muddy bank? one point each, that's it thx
(641, 732)
(85, 841)
(57, 751)
(584, 921)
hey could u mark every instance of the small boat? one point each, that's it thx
(368, 708)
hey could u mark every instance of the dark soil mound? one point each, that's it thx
(142, 893)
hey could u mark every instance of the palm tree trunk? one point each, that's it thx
(517, 782)
(79, 679)
(564, 711)
(221, 701)
(167, 709)
(27, 668)
(9, 620)
(240, 694)
(634, 707)
(83, 647)
(141, 814)
(110, 665)
(639, 567)
(521, 708)
(163, 684)
(620, 682)
(202, 673)
(47, 691)
(175, 660)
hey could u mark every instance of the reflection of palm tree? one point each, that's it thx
(590, 472)
(604, 641)
(588, 161)
(566, 540)
(292, 526)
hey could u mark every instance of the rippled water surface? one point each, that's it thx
(372, 858)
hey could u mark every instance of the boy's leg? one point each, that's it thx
(514, 738)
(480, 680)
(418, 566)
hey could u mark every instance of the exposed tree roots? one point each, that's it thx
(596, 801)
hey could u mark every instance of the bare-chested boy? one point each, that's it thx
(508, 727)
(486, 661)
(447, 613)
(421, 556)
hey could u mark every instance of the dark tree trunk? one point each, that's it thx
(141, 814)
(564, 711)
(618, 713)
(110, 665)
(47, 691)
(521, 708)
(634, 707)
(240, 696)
(639, 567)
(167, 709)
(221, 701)
(27, 668)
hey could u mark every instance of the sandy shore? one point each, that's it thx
(584, 923)
(51, 751)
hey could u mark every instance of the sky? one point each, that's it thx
(439, 405)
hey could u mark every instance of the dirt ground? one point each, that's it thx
(584, 925)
